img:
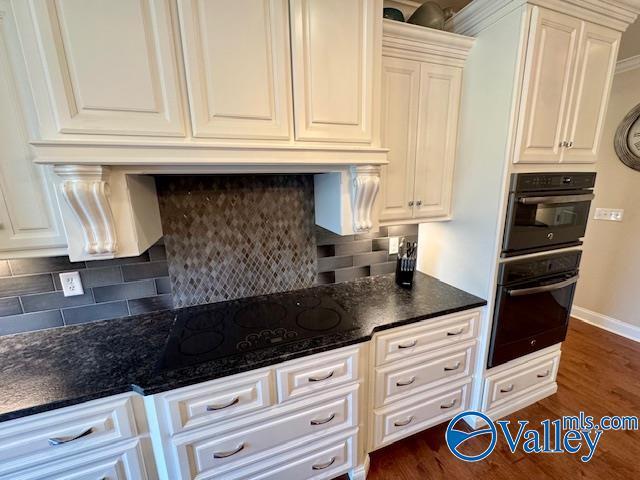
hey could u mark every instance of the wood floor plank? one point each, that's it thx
(599, 374)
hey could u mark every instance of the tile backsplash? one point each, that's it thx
(31, 294)
(225, 237)
(237, 236)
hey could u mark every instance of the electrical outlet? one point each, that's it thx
(71, 284)
(610, 214)
(394, 244)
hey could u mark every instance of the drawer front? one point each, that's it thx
(520, 380)
(122, 463)
(306, 376)
(324, 463)
(418, 413)
(64, 432)
(425, 336)
(407, 378)
(216, 401)
(211, 456)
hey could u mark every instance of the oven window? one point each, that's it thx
(545, 215)
(528, 315)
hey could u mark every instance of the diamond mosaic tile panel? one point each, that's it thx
(229, 237)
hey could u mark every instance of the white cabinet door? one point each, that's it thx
(29, 219)
(439, 106)
(548, 77)
(400, 103)
(238, 67)
(335, 46)
(110, 65)
(594, 74)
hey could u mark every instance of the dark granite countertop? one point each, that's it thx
(49, 369)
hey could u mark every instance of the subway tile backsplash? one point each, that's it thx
(31, 293)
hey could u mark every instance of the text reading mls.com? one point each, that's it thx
(575, 435)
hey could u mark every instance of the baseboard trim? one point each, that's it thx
(361, 471)
(610, 324)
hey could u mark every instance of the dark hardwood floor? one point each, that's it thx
(599, 374)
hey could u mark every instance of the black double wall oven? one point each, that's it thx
(546, 212)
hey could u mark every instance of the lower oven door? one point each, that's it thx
(530, 316)
(536, 223)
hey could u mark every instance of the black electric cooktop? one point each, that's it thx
(208, 333)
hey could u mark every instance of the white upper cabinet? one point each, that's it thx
(400, 102)
(551, 59)
(419, 121)
(440, 88)
(110, 66)
(568, 71)
(29, 218)
(594, 75)
(335, 59)
(238, 67)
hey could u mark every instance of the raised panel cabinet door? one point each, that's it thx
(400, 97)
(29, 218)
(238, 67)
(439, 107)
(594, 74)
(335, 45)
(111, 66)
(549, 67)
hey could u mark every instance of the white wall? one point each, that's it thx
(610, 269)
(630, 43)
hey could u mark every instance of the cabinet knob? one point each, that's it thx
(564, 143)
(411, 203)
(570, 144)
(419, 203)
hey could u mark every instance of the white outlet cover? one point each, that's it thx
(609, 214)
(394, 245)
(71, 284)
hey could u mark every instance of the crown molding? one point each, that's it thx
(480, 14)
(407, 40)
(627, 64)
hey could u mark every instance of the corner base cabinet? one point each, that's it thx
(421, 88)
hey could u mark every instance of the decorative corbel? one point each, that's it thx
(366, 183)
(86, 190)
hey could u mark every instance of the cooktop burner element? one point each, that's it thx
(204, 333)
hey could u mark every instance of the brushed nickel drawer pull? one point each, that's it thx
(230, 452)
(61, 440)
(545, 374)
(322, 466)
(319, 379)
(450, 405)
(408, 382)
(451, 369)
(404, 423)
(457, 332)
(409, 345)
(508, 389)
(322, 422)
(213, 408)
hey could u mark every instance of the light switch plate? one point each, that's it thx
(610, 214)
(71, 284)
(394, 244)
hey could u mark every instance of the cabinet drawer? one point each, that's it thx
(425, 336)
(216, 401)
(418, 374)
(210, 456)
(419, 412)
(60, 433)
(323, 371)
(520, 380)
(124, 462)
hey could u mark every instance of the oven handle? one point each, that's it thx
(557, 199)
(546, 288)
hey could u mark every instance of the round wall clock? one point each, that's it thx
(627, 139)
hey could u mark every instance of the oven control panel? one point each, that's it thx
(536, 182)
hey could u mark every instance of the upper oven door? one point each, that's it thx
(531, 315)
(538, 222)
